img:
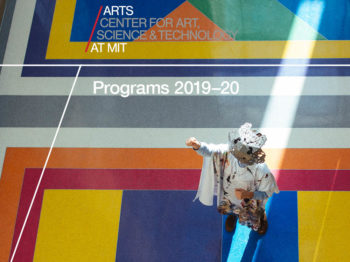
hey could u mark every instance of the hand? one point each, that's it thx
(223, 210)
(193, 142)
(224, 207)
(242, 194)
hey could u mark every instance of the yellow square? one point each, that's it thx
(324, 226)
(78, 225)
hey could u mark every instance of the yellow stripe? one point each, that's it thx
(78, 225)
(60, 47)
(323, 226)
(62, 22)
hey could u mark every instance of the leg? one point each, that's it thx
(263, 224)
(230, 223)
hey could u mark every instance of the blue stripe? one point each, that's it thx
(194, 71)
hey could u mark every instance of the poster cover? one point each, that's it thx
(97, 100)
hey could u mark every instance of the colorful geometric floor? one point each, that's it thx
(118, 181)
(91, 214)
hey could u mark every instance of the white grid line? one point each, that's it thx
(175, 65)
(42, 172)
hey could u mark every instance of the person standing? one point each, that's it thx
(237, 174)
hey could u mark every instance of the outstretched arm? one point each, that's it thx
(193, 142)
(205, 149)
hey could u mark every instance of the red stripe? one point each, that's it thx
(187, 179)
(313, 180)
(93, 29)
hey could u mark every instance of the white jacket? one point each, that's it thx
(262, 177)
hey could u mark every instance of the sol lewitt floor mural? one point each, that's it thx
(97, 99)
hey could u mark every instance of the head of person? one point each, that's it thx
(245, 144)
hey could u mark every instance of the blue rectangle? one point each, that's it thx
(167, 226)
(280, 243)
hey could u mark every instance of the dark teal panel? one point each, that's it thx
(334, 22)
(256, 20)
